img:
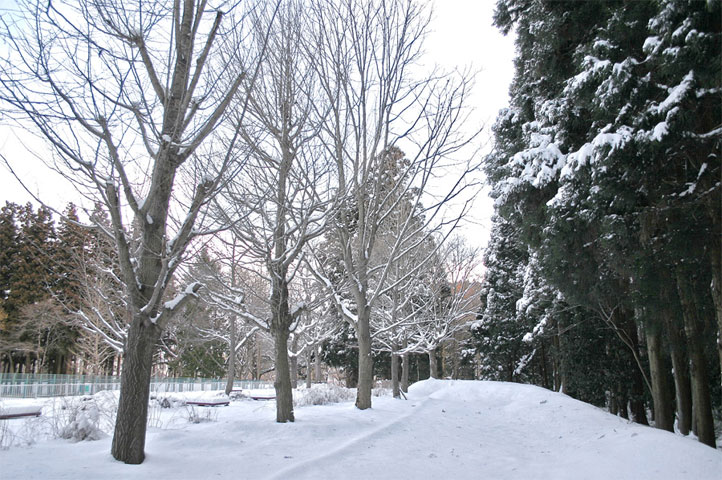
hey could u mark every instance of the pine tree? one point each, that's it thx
(607, 163)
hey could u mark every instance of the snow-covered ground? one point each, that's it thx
(446, 429)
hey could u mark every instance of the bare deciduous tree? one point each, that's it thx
(451, 299)
(129, 94)
(374, 103)
(277, 204)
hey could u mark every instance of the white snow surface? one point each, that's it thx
(446, 429)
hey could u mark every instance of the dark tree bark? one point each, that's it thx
(284, 390)
(636, 402)
(130, 426)
(613, 404)
(622, 401)
(676, 339)
(365, 360)
(661, 394)
(701, 400)
(716, 285)
(680, 367)
(560, 362)
(280, 322)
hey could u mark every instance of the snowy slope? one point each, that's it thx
(447, 429)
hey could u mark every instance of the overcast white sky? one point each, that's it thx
(462, 36)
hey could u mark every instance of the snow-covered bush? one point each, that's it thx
(82, 418)
(83, 424)
(322, 394)
(166, 401)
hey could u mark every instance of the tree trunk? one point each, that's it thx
(280, 323)
(661, 394)
(365, 361)
(231, 358)
(680, 369)
(132, 417)
(636, 402)
(257, 372)
(405, 367)
(284, 391)
(613, 404)
(317, 365)
(455, 374)
(308, 368)
(560, 370)
(433, 364)
(395, 375)
(701, 400)
(543, 366)
(716, 262)
(677, 349)
(294, 371)
(622, 402)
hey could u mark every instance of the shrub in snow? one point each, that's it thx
(381, 392)
(83, 421)
(166, 401)
(322, 394)
(82, 418)
(201, 414)
(22, 432)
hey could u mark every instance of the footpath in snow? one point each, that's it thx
(446, 429)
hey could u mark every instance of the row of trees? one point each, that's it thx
(53, 282)
(62, 313)
(275, 127)
(604, 272)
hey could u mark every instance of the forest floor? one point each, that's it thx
(446, 429)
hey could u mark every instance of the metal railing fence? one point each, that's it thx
(21, 385)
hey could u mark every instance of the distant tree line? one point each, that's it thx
(42, 273)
